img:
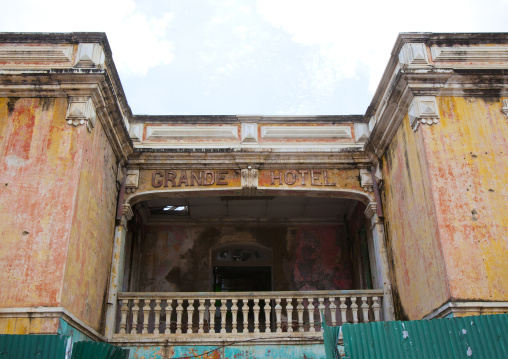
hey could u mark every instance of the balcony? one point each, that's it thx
(210, 318)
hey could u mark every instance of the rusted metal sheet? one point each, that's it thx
(466, 337)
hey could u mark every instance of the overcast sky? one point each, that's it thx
(267, 57)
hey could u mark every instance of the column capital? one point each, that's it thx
(371, 210)
(127, 212)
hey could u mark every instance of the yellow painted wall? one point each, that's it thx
(467, 156)
(417, 266)
(57, 207)
(39, 166)
(91, 239)
(29, 325)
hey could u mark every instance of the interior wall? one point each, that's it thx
(305, 257)
(357, 232)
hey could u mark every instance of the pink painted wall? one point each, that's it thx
(177, 257)
(91, 238)
(57, 207)
(468, 167)
(39, 171)
(416, 260)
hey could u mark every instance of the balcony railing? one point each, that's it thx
(203, 314)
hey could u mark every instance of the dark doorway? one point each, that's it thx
(242, 278)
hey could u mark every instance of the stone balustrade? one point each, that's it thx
(177, 314)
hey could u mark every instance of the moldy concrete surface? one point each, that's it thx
(306, 257)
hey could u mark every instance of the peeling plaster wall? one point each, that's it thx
(306, 257)
(93, 225)
(310, 351)
(57, 207)
(468, 165)
(414, 248)
(39, 171)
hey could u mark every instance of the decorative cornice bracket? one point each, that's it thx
(90, 55)
(423, 109)
(132, 181)
(81, 111)
(249, 180)
(366, 179)
(414, 54)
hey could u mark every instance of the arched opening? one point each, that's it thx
(317, 243)
(218, 262)
(241, 267)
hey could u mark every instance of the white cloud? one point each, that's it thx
(137, 41)
(352, 35)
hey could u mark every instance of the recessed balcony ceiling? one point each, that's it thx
(252, 207)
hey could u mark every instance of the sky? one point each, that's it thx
(252, 57)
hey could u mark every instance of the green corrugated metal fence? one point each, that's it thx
(55, 347)
(89, 350)
(33, 346)
(467, 337)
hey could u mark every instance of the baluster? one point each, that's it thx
(223, 311)
(201, 310)
(179, 311)
(211, 310)
(310, 308)
(234, 313)
(278, 312)
(333, 311)
(146, 312)
(299, 309)
(289, 312)
(354, 309)
(256, 315)
(123, 320)
(268, 310)
(321, 310)
(375, 308)
(245, 311)
(190, 314)
(135, 312)
(169, 312)
(343, 310)
(365, 310)
(157, 311)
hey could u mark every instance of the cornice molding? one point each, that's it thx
(244, 158)
(425, 66)
(90, 95)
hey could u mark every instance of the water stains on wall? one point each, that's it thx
(305, 257)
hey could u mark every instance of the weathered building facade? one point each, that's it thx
(172, 235)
